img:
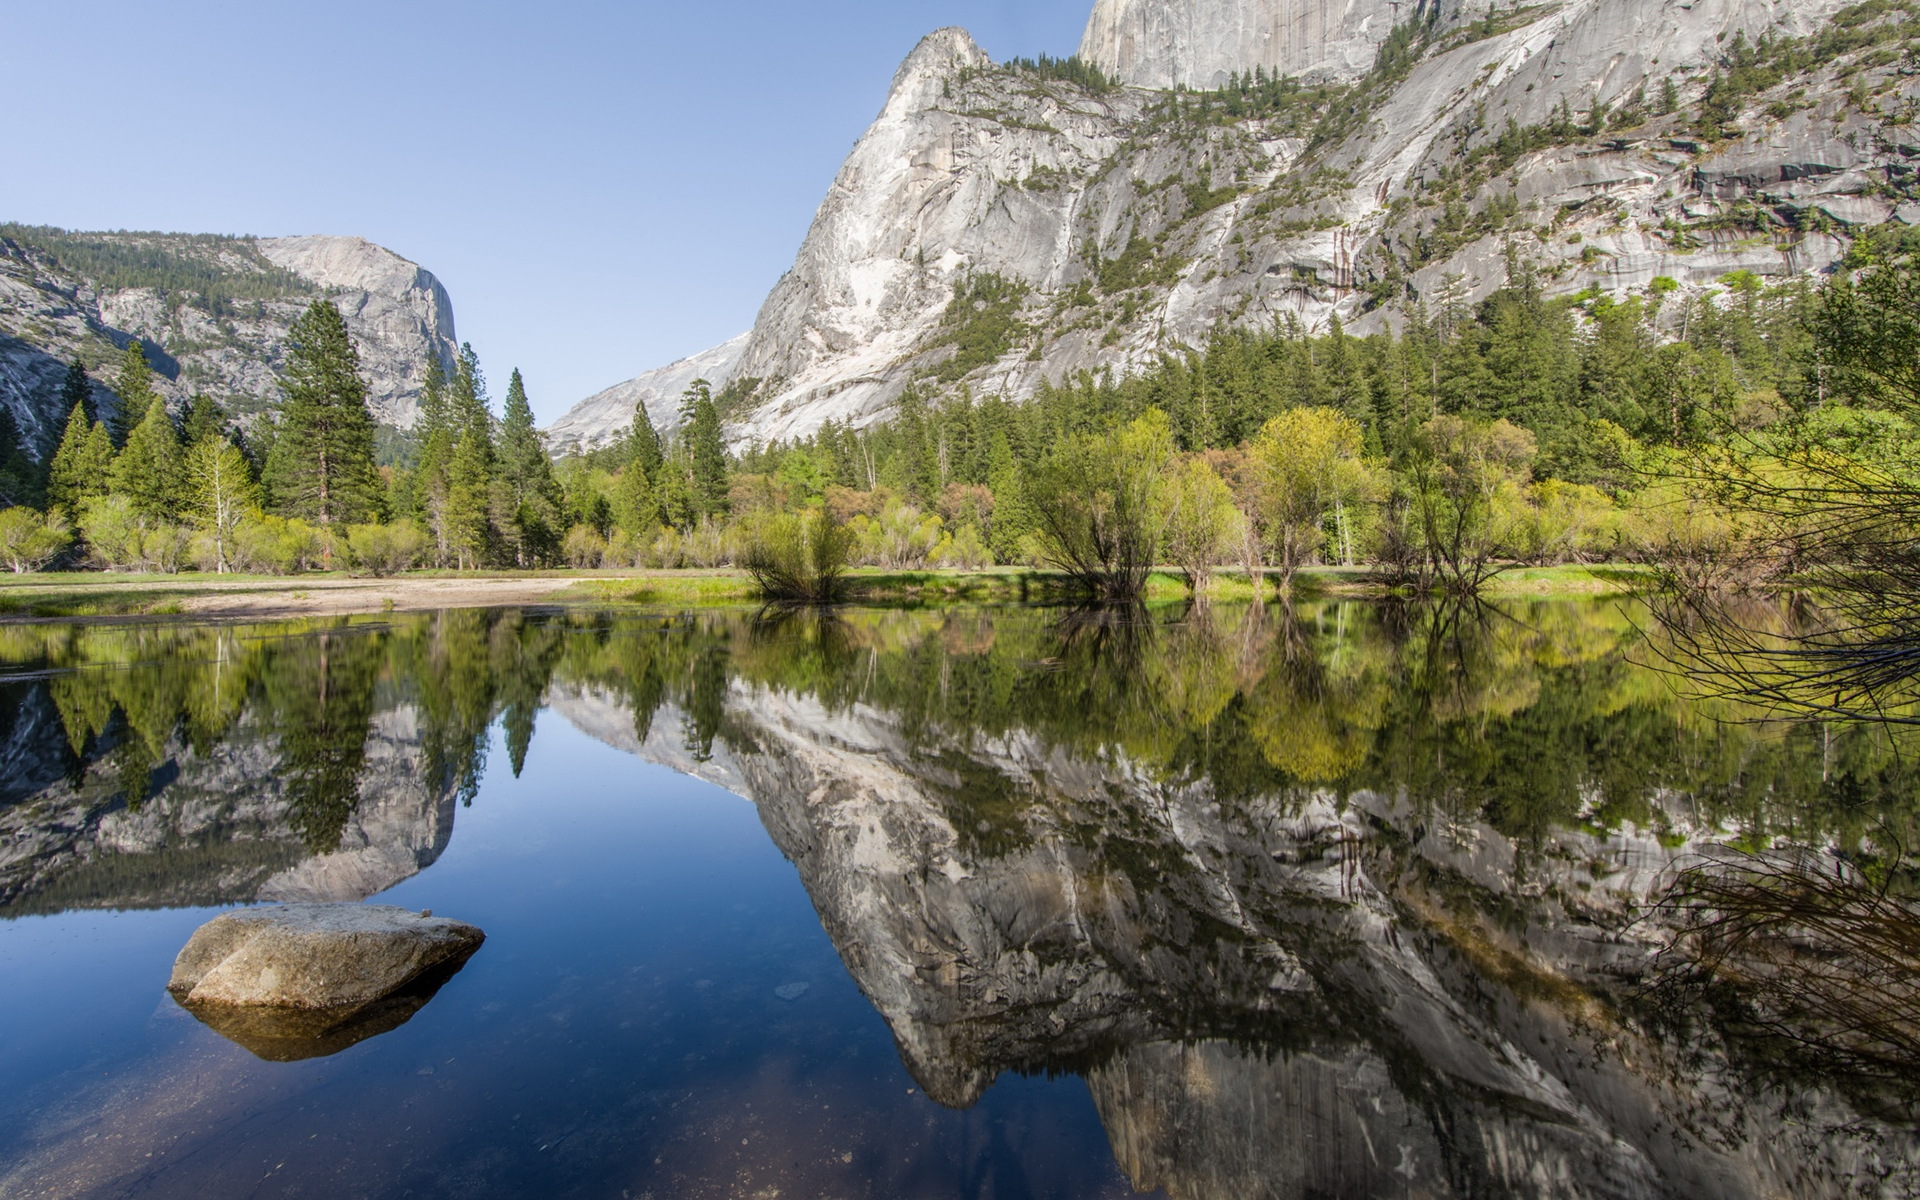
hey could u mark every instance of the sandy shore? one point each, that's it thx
(299, 597)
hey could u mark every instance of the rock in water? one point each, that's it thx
(305, 980)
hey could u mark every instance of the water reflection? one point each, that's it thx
(1346, 900)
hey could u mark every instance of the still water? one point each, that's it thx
(1345, 901)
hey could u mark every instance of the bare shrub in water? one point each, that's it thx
(1819, 958)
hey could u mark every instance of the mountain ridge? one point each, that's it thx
(1099, 229)
(212, 313)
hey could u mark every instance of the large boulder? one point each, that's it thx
(304, 980)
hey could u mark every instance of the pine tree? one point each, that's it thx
(527, 475)
(79, 468)
(706, 450)
(1012, 518)
(636, 506)
(205, 419)
(77, 388)
(322, 462)
(19, 474)
(643, 443)
(149, 471)
(431, 482)
(134, 387)
(469, 517)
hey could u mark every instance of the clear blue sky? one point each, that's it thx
(603, 187)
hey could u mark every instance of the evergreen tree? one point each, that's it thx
(19, 474)
(77, 388)
(527, 476)
(1012, 517)
(636, 507)
(643, 443)
(149, 471)
(431, 480)
(134, 387)
(322, 462)
(206, 419)
(469, 516)
(79, 468)
(706, 450)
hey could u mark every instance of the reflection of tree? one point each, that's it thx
(1808, 956)
(320, 701)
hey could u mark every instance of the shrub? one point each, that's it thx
(29, 540)
(964, 549)
(277, 545)
(584, 547)
(121, 539)
(386, 549)
(797, 559)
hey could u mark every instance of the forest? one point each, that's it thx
(1525, 429)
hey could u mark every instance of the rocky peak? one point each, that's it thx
(1199, 43)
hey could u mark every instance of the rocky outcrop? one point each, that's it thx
(1154, 44)
(302, 981)
(198, 335)
(1122, 227)
(603, 417)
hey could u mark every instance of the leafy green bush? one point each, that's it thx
(278, 545)
(386, 549)
(798, 559)
(121, 539)
(29, 539)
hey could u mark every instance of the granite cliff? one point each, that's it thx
(212, 313)
(996, 227)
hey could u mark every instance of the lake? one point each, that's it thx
(1343, 900)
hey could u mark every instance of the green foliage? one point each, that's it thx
(982, 323)
(385, 550)
(1100, 506)
(149, 472)
(321, 468)
(797, 558)
(532, 496)
(203, 265)
(134, 387)
(703, 454)
(29, 539)
(80, 465)
(1074, 70)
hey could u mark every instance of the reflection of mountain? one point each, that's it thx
(216, 831)
(1289, 995)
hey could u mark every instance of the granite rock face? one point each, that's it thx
(1127, 230)
(206, 341)
(603, 417)
(1154, 44)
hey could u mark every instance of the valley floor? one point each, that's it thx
(62, 595)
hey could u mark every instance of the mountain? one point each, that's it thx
(1001, 225)
(212, 311)
(1153, 44)
(604, 416)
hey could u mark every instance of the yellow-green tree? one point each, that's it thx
(1308, 470)
(1203, 524)
(221, 493)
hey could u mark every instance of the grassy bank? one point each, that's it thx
(81, 595)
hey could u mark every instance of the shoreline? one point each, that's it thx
(81, 596)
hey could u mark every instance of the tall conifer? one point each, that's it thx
(78, 471)
(149, 471)
(321, 467)
(526, 474)
(706, 450)
(77, 388)
(134, 387)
